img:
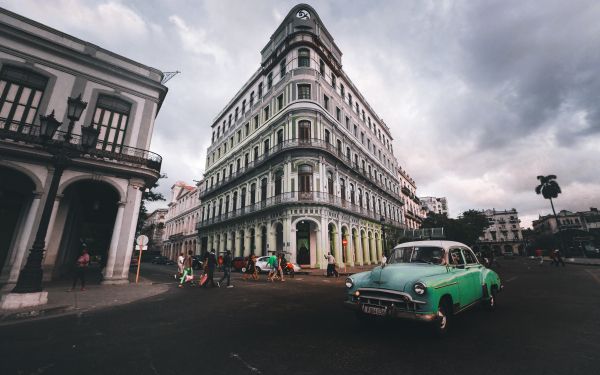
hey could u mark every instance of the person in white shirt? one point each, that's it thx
(180, 261)
(331, 271)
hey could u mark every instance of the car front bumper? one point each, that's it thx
(395, 313)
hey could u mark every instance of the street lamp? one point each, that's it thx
(382, 220)
(30, 277)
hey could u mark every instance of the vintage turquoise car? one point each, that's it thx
(427, 281)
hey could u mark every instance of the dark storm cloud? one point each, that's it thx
(480, 96)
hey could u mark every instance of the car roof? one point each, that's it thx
(437, 243)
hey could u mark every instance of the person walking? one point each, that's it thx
(81, 266)
(187, 274)
(272, 262)
(280, 265)
(226, 270)
(251, 270)
(180, 260)
(331, 271)
(210, 263)
(557, 258)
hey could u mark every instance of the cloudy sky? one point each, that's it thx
(481, 96)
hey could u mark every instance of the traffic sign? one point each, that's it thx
(142, 240)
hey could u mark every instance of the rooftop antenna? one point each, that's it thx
(168, 75)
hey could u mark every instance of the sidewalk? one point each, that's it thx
(61, 302)
(578, 261)
(342, 271)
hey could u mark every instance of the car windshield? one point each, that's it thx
(417, 254)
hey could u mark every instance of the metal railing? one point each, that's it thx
(312, 197)
(28, 133)
(311, 143)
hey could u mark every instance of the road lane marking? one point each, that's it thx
(511, 279)
(594, 275)
(248, 366)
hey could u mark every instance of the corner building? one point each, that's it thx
(299, 161)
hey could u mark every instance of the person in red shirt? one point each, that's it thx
(80, 267)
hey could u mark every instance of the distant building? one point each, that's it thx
(568, 220)
(411, 210)
(154, 226)
(434, 205)
(503, 234)
(182, 216)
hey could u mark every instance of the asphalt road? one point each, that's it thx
(547, 322)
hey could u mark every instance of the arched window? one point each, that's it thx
(330, 183)
(263, 190)
(252, 193)
(304, 131)
(343, 188)
(360, 197)
(20, 95)
(305, 172)
(278, 182)
(352, 193)
(303, 57)
(280, 136)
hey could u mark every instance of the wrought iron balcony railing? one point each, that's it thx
(311, 143)
(30, 134)
(300, 197)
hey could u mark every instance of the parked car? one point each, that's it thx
(162, 260)
(262, 266)
(426, 281)
(197, 262)
(238, 263)
(591, 251)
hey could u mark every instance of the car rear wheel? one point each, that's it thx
(258, 270)
(490, 303)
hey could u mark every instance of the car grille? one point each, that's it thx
(387, 299)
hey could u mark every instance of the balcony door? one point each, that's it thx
(305, 173)
(304, 131)
(111, 117)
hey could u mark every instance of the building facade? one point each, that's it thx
(99, 194)
(412, 211)
(503, 234)
(183, 214)
(154, 228)
(434, 205)
(299, 161)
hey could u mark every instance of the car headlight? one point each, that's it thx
(419, 288)
(349, 283)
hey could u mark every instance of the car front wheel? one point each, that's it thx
(258, 270)
(440, 323)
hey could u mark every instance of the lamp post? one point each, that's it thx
(382, 220)
(30, 277)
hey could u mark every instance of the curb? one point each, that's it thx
(32, 314)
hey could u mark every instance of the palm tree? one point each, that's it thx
(549, 189)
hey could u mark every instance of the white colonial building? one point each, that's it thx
(434, 205)
(299, 161)
(98, 196)
(154, 228)
(504, 232)
(180, 234)
(412, 211)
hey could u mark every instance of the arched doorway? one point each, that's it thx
(91, 209)
(252, 235)
(305, 241)
(15, 199)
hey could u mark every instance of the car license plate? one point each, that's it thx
(374, 310)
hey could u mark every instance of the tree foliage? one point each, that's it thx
(548, 187)
(148, 196)
(466, 228)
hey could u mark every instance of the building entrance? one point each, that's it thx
(303, 243)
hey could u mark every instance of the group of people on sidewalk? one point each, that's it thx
(185, 272)
(556, 258)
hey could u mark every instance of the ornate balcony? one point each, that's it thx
(312, 143)
(310, 197)
(27, 134)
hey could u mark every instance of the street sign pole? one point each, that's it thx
(137, 276)
(141, 241)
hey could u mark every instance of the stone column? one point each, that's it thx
(372, 249)
(365, 249)
(247, 242)
(320, 261)
(338, 247)
(21, 248)
(358, 249)
(229, 245)
(114, 243)
(258, 240)
(379, 248)
(132, 209)
(350, 257)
